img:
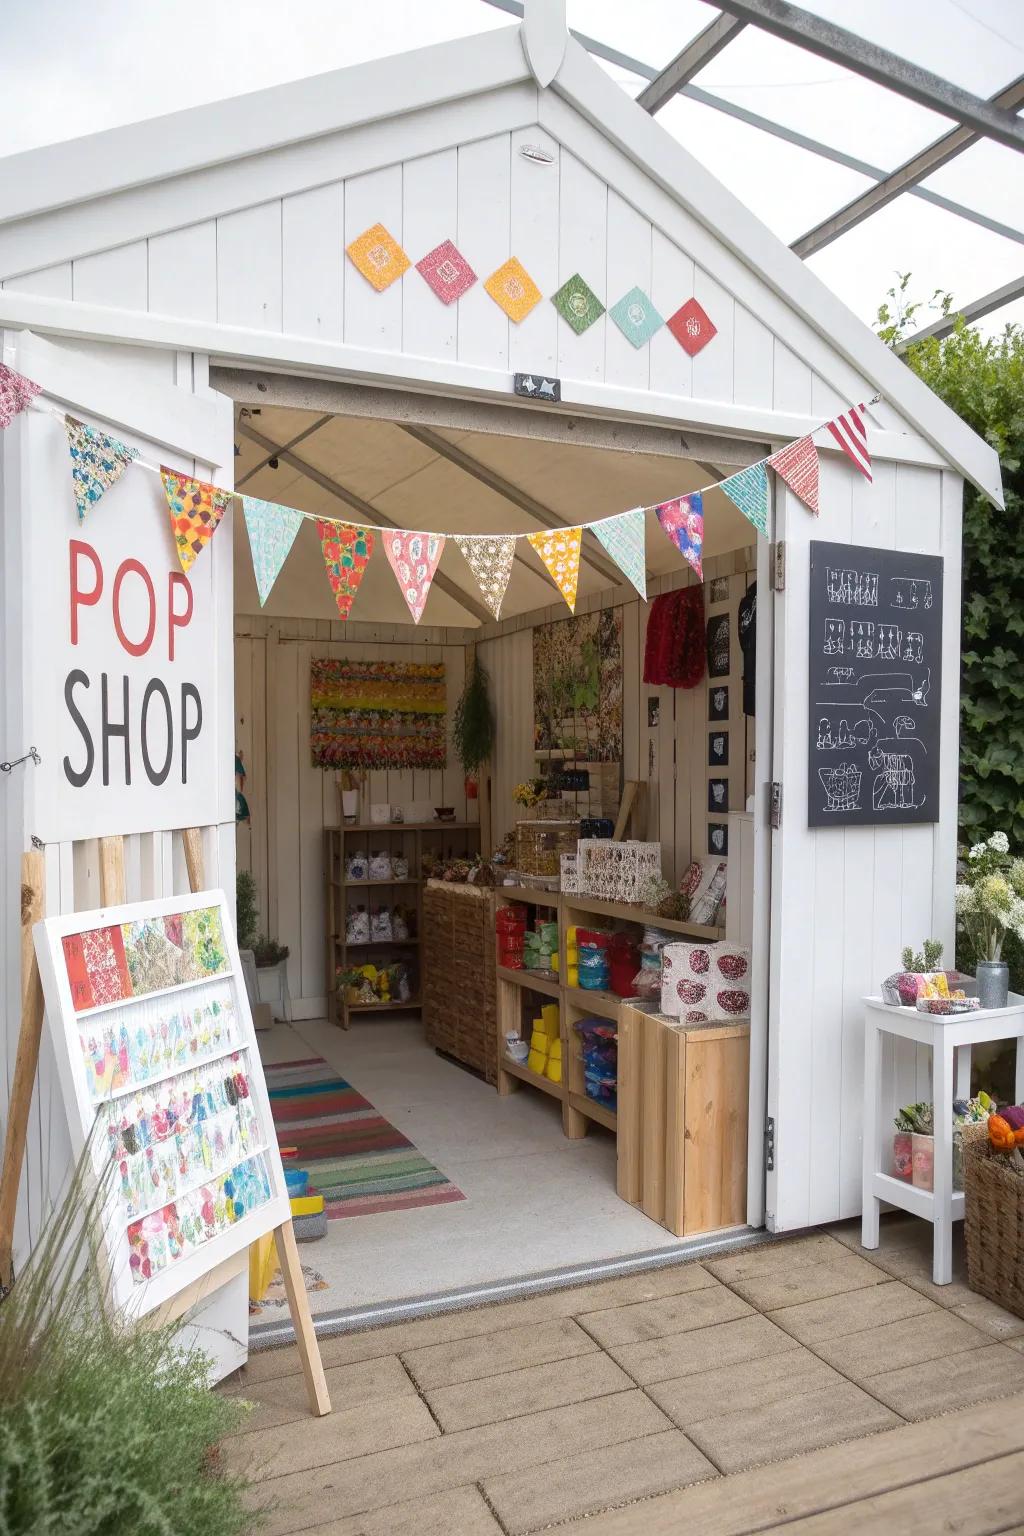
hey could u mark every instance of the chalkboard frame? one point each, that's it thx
(873, 754)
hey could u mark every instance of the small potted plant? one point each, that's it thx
(904, 986)
(990, 904)
(473, 727)
(916, 1122)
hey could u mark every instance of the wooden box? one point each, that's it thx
(682, 1120)
(459, 988)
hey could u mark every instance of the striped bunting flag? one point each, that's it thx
(797, 465)
(748, 490)
(623, 537)
(850, 430)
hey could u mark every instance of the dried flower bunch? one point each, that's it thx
(990, 896)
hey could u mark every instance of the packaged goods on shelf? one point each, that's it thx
(701, 982)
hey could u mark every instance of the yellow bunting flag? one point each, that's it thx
(196, 509)
(559, 548)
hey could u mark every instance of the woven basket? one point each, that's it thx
(993, 1221)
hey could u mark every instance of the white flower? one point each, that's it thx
(977, 851)
(999, 842)
(964, 900)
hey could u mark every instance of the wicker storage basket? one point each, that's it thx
(459, 984)
(993, 1221)
(540, 844)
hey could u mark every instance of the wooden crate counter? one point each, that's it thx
(459, 985)
(682, 1120)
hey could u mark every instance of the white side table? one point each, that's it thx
(946, 1037)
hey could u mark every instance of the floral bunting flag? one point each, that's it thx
(797, 465)
(347, 550)
(559, 549)
(272, 529)
(413, 557)
(15, 393)
(196, 509)
(623, 538)
(683, 521)
(850, 430)
(490, 559)
(748, 490)
(97, 462)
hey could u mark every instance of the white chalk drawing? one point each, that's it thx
(890, 639)
(839, 677)
(913, 646)
(843, 737)
(859, 588)
(835, 637)
(895, 783)
(910, 592)
(841, 786)
(905, 726)
(862, 639)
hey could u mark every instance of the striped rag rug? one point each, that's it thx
(356, 1159)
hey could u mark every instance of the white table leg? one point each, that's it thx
(962, 1072)
(1019, 1088)
(869, 1203)
(942, 1100)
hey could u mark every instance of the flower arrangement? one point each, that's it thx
(530, 793)
(990, 896)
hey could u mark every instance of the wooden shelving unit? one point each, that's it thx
(410, 839)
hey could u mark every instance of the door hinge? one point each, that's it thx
(778, 553)
(769, 1145)
(775, 805)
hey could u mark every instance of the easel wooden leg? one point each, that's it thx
(192, 839)
(305, 1334)
(33, 874)
(112, 882)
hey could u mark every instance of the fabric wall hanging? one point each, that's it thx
(674, 650)
(577, 687)
(377, 714)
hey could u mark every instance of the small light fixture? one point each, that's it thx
(536, 154)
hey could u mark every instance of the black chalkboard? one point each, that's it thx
(875, 686)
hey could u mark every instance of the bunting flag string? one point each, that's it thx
(489, 557)
(683, 521)
(559, 549)
(272, 529)
(623, 537)
(346, 549)
(15, 393)
(97, 462)
(196, 509)
(850, 430)
(748, 490)
(413, 557)
(797, 465)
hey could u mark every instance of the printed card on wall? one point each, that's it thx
(875, 686)
(162, 1079)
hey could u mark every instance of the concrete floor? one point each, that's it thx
(534, 1201)
(799, 1383)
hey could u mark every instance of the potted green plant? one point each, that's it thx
(247, 910)
(990, 904)
(473, 726)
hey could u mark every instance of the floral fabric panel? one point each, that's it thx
(272, 529)
(683, 521)
(378, 714)
(196, 509)
(126, 1047)
(111, 965)
(97, 462)
(490, 559)
(636, 317)
(447, 272)
(178, 1229)
(378, 256)
(413, 557)
(560, 551)
(513, 290)
(623, 538)
(748, 490)
(347, 550)
(797, 465)
(15, 393)
(578, 304)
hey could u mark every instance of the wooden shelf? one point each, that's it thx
(604, 1004)
(594, 1111)
(530, 981)
(363, 885)
(516, 1069)
(377, 943)
(636, 914)
(407, 826)
(413, 1002)
(533, 895)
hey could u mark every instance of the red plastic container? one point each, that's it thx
(623, 964)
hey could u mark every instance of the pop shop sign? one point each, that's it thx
(126, 704)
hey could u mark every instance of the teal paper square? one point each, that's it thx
(636, 317)
(577, 304)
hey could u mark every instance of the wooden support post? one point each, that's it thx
(632, 798)
(33, 876)
(305, 1334)
(112, 881)
(192, 839)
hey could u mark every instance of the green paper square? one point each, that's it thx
(636, 317)
(577, 304)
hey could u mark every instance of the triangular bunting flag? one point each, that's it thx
(623, 538)
(797, 465)
(272, 529)
(560, 551)
(683, 521)
(347, 550)
(850, 430)
(97, 462)
(490, 559)
(748, 490)
(196, 509)
(413, 557)
(15, 393)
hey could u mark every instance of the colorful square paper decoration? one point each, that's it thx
(447, 271)
(578, 304)
(378, 256)
(513, 290)
(691, 327)
(636, 317)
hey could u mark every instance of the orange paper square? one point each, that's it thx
(513, 289)
(378, 256)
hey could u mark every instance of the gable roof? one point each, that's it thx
(42, 186)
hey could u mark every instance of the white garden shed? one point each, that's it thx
(167, 281)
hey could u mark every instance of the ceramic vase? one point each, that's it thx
(350, 806)
(903, 1156)
(924, 1161)
(993, 983)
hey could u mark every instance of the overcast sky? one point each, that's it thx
(116, 61)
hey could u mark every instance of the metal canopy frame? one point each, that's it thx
(976, 118)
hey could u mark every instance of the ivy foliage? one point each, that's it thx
(982, 379)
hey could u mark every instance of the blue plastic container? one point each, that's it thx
(296, 1181)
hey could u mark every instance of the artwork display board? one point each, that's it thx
(156, 1049)
(874, 686)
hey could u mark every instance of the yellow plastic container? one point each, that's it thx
(307, 1205)
(549, 1014)
(572, 976)
(556, 961)
(570, 937)
(553, 1070)
(537, 1062)
(555, 1050)
(262, 1264)
(539, 1042)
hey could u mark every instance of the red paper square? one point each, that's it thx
(691, 327)
(447, 271)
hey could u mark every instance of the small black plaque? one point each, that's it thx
(538, 386)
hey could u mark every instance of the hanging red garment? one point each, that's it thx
(674, 653)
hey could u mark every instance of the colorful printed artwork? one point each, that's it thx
(97, 462)
(447, 272)
(691, 327)
(179, 1228)
(513, 290)
(195, 509)
(109, 965)
(577, 687)
(377, 714)
(378, 256)
(578, 304)
(560, 552)
(346, 550)
(128, 1046)
(636, 317)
